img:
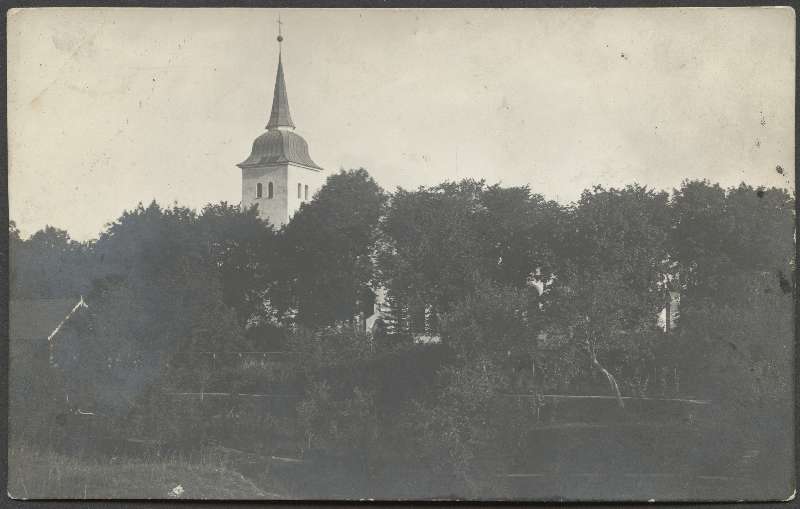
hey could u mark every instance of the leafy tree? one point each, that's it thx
(740, 347)
(449, 434)
(327, 248)
(441, 243)
(13, 232)
(338, 426)
(699, 230)
(738, 352)
(716, 234)
(159, 295)
(431, 253)
(150, 243)
(610, 288)
(521, 232)
(244, 250)
(326, 347)
(762, 227)
(48, 265)
(735, 343)
(494, 324)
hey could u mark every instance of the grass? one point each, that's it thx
(46, 474)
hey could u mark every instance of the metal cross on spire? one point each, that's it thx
(280, 34)
(279, 116)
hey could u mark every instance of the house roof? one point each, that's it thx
(37, 319)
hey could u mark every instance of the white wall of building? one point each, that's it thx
(303, 176)
(285, 200)
(275, 208)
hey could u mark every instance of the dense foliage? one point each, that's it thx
(528, 297)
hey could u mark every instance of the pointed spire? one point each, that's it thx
(280, 116)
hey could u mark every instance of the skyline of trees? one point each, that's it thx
(529, 297)
(591, 275)
(430, 248)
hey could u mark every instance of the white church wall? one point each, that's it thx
(304, 177)
(276, 208)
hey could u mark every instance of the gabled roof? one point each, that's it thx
(37, 319)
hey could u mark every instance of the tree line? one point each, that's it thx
(526, 294)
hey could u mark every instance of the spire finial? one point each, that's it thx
(280, 116)
(280, 35)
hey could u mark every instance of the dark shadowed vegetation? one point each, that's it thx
(520, 337)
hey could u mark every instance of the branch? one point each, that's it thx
(611, 380)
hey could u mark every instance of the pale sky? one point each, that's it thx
(111, 107)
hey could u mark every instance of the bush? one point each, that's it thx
(344, 427)
(449, 434)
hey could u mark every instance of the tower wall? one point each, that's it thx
(279, 158)
(305, 177)
(276, 208)
(285, 200)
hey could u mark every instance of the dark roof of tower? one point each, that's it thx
(275, 147)
(280, 115)
(278, 146)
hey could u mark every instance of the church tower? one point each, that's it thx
(279, 175)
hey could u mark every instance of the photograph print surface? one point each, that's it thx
(486, 254)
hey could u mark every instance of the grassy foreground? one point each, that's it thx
(46, 474)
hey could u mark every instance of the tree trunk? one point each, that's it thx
(611, 380)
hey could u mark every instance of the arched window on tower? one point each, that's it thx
(269, 191)
(306, 194)
(298, 190)
(259, 190)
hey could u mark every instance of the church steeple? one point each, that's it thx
(279, 175)
(280, 116)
